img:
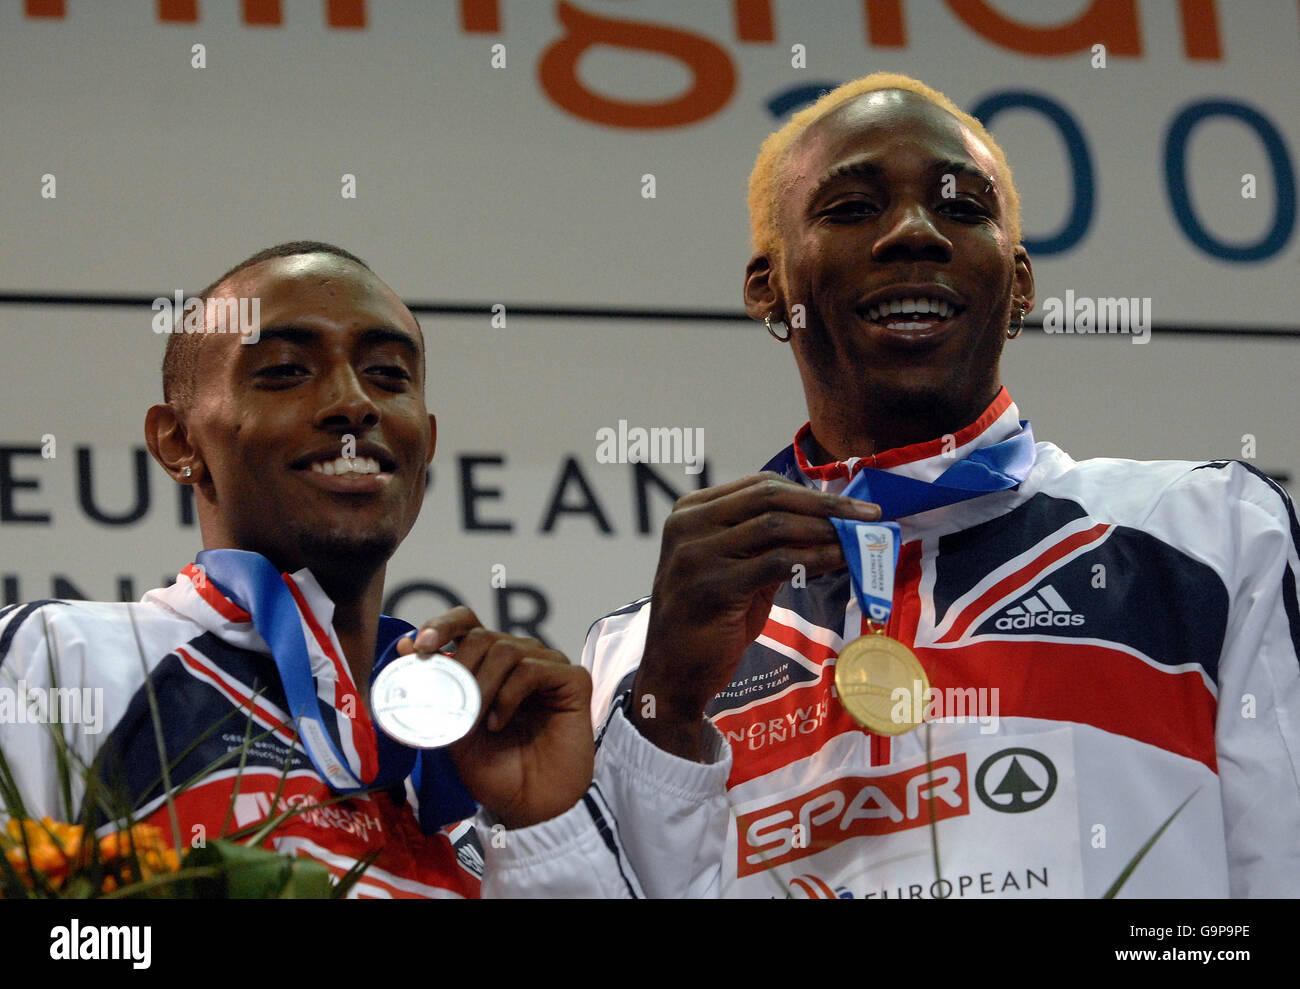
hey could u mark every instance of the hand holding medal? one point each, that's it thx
(526, 752)
(726, 552)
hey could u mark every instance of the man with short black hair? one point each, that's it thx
(307, 445)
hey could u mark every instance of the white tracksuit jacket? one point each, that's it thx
(1104, 642)
(209, 667)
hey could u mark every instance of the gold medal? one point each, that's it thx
(881, 684)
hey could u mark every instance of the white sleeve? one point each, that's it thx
(29, 745)
(652, 824)
(1258, 722)
(612, 654)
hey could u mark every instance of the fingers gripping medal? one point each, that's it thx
(425, 702)
(879, 680)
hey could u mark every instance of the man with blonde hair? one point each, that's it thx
(950, 661)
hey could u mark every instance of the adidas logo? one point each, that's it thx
(1042, 609)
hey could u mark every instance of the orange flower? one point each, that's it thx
(56, 850)
(48, 847)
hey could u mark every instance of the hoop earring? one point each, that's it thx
(1019, 324)
(767, 321)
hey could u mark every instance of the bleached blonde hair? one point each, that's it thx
(768, 182)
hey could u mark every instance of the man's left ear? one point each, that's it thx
(169, 443)
(1023, 280)
(433, 439)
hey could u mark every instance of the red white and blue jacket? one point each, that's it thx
(1104, 643)
(91, 666)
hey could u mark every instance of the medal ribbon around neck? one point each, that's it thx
(871, 548)
(250, 581)
(871, 670)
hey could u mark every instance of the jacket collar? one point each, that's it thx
(923, 461)
(203, 603)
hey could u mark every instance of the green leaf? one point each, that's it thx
(63, 764)
(934, 817)
(1141, 854)
(79, 887)
(245, 872)
(12, 884)
(156, 717)
(353, 875)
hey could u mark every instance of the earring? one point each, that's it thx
(1018, 325)
(187, 472)
(767, 321)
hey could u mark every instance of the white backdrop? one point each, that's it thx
(475, 185)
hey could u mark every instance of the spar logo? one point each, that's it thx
(1016, 780)
(852, 807)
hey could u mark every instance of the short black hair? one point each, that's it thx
(181, 357)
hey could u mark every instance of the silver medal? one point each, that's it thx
(425, 701)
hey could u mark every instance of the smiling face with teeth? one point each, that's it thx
(339, 356)
(895, 242)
